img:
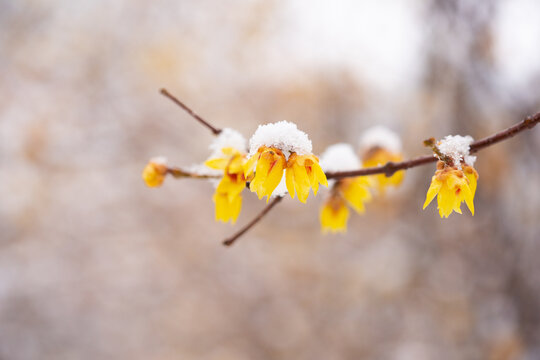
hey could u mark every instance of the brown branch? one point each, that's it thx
(230, 240)
(528, 123)
(212, 128)
(391, 167)
(179, 173)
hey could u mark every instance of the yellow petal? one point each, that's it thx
(319, 174)
(433, 190)
(226, 208)
(250, 164)
(333, 216)
(469, 197)
(446, 199)
(217, 163)
(235, 207)
(229, 151)
(289, 181)
(221, 207)
(265, 162)
(236, 164)
(356, 192)
(274, 176)
(472, 176)
(313, 183)
(301, 182)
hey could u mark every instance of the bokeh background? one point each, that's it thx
(94, 265)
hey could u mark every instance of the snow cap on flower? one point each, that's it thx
(380, 136)
(339, 157)
(457, 148)
(282, 135)
(227, 138)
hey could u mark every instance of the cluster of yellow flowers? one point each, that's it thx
(280, 160)
(378, 146)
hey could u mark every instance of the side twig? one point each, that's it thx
(391, 167)
(212, 128)
(230, 240)
(179, 173)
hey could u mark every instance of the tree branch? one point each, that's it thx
(212, 128)
(391, 167)
(230, 240)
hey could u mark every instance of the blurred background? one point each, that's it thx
(94, 265)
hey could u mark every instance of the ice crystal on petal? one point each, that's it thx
(457, 148)
(380, 136)
(282, 135)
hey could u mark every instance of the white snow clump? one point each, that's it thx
(457, 148)
(339, 157)
(227, 138)
(380, 136)
(282, 135)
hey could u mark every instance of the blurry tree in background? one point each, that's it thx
(95, 265)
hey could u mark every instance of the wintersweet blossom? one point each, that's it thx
(279, 147)
(455, 180)
(352, 191)
(379, 145)
(228, 156)
(155, 171)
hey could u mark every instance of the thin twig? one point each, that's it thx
(230, 240)
(391, 167)
(212, 128)
(179, 173)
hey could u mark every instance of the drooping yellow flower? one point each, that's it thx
(303, 173)
(280, 147)
(452, 186)
(379, 156)
(154, 172)
(378, 146)
(228, 197)
(270, 163)
(334, 213)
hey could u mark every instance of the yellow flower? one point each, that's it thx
(378, 156)
(154, 173)
(268, 172)
(452, 186)
(228, 197)
(303, 173)
(334, 213)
